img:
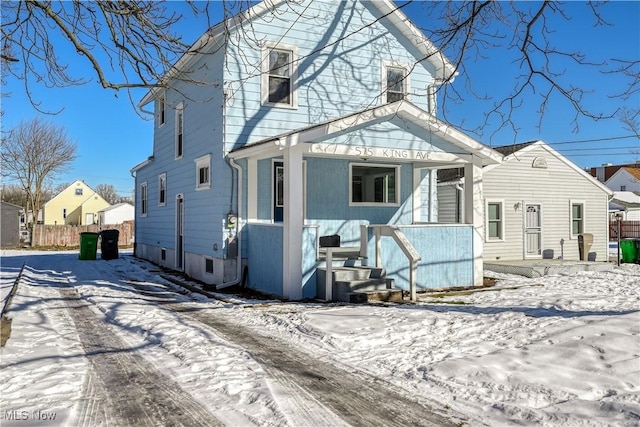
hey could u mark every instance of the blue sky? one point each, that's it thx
(112, 138)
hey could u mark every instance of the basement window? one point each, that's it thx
(208, 265)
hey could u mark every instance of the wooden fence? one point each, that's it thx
(628, 230)
(69, 235)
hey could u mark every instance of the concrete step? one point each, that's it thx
(344, 274)
(390, 295)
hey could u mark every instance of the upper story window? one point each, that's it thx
(78, 191)
(203, 172)
(374, 184)
(162, 189)
(623, 188)
(279, 72)
(179, 130)
(395, 82)
(143, 199)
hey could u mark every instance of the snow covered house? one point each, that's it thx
(625, 179)
(304, 128)
(625, 203)
(536, 204)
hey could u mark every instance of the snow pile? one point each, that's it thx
(557, 350)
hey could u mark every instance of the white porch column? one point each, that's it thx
(252, 189)
(474, 213)
(293, 221)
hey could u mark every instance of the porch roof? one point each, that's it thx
(404, 114)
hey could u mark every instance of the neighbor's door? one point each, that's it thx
(88, 219)
(179, 232)
(532, 230)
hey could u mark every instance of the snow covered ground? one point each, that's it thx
(560, 350)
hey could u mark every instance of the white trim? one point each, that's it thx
(584, 214)
(203, 162)
(406, 82)
(375, 165)
(488, 238)
(144, 199)
(162, 177)
(179, 126)
(293, 75)
(304, 189)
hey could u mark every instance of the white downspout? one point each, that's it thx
(238, 278)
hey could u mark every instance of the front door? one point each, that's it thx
(532, 230)
(278, 192)
(88, 219)
(179, 232)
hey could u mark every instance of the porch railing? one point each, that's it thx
(404, 245)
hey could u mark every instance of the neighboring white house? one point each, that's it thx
(116, 214)
(627, 203)
(536, 203)
(625, 179)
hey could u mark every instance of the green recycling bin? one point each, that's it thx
(88, 245)
(628, 249)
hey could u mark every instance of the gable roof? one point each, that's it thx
(116, 206)
(444, 68)
(403, 114)
(512, 151)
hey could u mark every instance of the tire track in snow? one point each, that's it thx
(302, 379)
(136, 393)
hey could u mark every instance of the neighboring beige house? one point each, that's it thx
(536, 203)
(77, 204)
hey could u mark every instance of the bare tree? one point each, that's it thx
(14, 194)
(131, 44)
(32, 154)
(108, 192)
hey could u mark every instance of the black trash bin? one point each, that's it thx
(109, 244)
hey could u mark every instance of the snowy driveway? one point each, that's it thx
(112, 343)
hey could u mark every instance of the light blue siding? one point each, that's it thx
(265, 258)
(333, 79)
(445, 251)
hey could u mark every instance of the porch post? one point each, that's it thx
(292, 222)
(474, 213)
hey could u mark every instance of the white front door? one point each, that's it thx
(88, 219)
(532, 230)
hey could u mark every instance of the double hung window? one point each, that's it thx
(279, 76)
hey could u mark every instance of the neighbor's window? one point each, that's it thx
(373, 184)
(143, 199)
(64, 213)
(623, 188)
(495, 220)
(279, 73)
(78, 191)
(577, 218)
(179, 130)
(203, 172)
(162, 189)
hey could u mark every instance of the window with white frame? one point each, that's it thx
(395, 81)
(162, 189)
(374, 184)
(179, 130)
(78, 191)
(203, 172)
(577, 217)
(161, 110)
(495, 220)
(143, 199)
(279, 76)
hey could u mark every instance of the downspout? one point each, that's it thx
(238, 278)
